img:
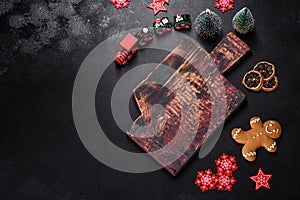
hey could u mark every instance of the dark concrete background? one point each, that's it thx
(42, 157)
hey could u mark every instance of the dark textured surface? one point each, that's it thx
(42, 157)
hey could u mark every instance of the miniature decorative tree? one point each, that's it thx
(243, 21)
(208, 24)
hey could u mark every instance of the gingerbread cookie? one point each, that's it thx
(260, 135)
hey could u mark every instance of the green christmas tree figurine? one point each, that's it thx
(243, 21)
(208, 24)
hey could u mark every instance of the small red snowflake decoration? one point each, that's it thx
(226, 164)
(261, 179)
(224, 5)
(158, 5)
(225, 183)
(206, 180)
(120, 3)
(223, 180)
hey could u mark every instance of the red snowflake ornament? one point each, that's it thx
(225, 183)
(223, 180)
(120, 3)
(157, 6)
(261, 179)
(224, 5)
(226, 165)
(206, 180)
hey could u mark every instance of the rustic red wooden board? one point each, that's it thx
(229, 51)
(165, 140)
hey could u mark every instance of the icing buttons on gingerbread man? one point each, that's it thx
(260, 135)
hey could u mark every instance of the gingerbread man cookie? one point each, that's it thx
(260, 135)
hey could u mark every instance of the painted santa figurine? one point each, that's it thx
(158, 23)
(179, 18)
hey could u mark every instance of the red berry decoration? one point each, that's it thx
(120, 3)
(206, 180)
(224, 5)
(223, 180)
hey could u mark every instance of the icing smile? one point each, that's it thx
(273, 131)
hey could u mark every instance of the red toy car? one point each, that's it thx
(162, 25)
(182, 21)
(129, 47)
(131, 43)
(123, 56)
(144, 36)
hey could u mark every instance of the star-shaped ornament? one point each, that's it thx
(166, 1)
(261, 179)
(157, 6)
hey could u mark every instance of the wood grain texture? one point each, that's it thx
(192, 95)
(229, 51)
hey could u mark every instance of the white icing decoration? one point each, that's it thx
(257, 135)
(236, 133)
(255, 120)
(272, 146)
(249, 154)
(266, 129)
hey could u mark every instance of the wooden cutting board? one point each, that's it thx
(192, 94)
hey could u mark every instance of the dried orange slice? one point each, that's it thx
(253, 80)
(266, 69)
(271, 85)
